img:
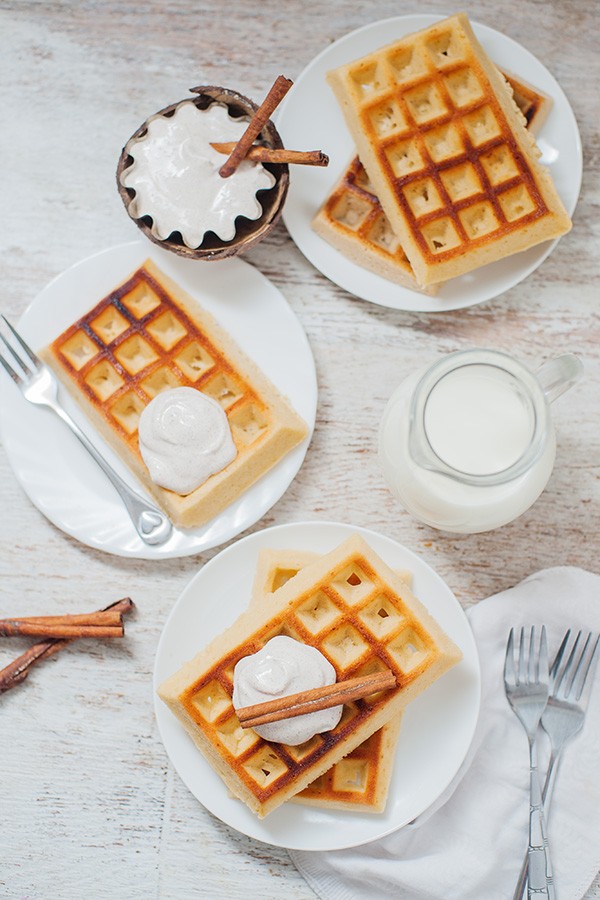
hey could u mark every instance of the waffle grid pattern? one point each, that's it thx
(351, 781)
(442, 138)
(138, 342)
(361, 625)
(354, 206)
(361, 779)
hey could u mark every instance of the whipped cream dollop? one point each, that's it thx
(283, 667)
(184, 438)
(175, 175)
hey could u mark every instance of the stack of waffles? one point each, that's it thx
(148, 336)
(364, 618)
(359, 782)
(447, 176)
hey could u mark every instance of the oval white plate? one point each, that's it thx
(437, 728)
(56, 472)
(310, 117)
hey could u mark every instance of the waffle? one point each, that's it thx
(275, 568)
(363, 618)
(352, 220)
(359, 782)
(533, 103)
(447, 151)
(148, 336)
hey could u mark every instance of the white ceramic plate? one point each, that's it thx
(311, 118)
(56, 472)
(437, 728)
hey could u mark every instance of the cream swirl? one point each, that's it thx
(184, 438)
(283, 667)
(175, 175)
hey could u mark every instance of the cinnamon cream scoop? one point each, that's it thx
(184, 438)
(283, 667)
(175, 175)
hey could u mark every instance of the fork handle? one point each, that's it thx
(521, 891)
(539, 869)
(150, 523)
(550, 781)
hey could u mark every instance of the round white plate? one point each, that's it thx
(56, 472)
(310, 117)
(436, 731)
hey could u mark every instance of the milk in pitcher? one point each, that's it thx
(469, 444)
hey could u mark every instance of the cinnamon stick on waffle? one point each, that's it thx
(256, 124)
(350, 605)
(313, 700)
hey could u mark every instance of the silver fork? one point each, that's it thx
(563, 717)
(526, 686)
(39, 385)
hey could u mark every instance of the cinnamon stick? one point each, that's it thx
(262, 154)
(315, 699)
(256, 124)
(111, 616)
(100, 624)
(18, 670)
(58, 631)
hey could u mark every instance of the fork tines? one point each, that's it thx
(568, 683)
(16, 356)
(531, 663)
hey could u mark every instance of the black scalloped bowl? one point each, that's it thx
(248, 232)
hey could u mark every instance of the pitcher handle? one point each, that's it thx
(558, 375)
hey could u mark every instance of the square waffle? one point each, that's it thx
(447, 151)
(352, 607)
(148, 336)
(352, 220)
(359, 782)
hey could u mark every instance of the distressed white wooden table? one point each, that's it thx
(89, 805)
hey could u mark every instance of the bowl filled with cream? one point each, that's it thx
(169, 177)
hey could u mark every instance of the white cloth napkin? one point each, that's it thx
(471, 844)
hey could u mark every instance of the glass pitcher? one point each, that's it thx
(468, 445)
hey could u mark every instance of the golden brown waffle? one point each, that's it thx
(447, 151)
(148, 336)
(359, 782)
(533, 103)
(274, 568)
(352, 220)
(363, 618)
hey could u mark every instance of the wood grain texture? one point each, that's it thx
(90, 805)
